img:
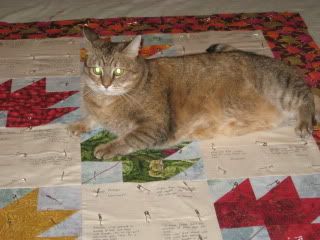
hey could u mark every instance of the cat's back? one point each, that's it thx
(213, 62)
(207, 70)
(201, 71)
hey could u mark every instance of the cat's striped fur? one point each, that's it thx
(166, 100)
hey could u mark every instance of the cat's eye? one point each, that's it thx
(118, 72)
(97, 70)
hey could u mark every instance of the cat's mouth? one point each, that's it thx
(114, 91)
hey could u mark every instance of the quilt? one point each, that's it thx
(263, 186)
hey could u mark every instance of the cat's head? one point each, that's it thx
(113, 68)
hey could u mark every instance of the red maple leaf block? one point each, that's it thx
(285, 215)
(29, 106)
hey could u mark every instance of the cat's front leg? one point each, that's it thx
(143, 137)
(82, 126)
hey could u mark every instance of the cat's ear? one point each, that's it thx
(132, 50)
(90, 35)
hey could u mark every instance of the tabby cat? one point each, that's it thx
(163, 101)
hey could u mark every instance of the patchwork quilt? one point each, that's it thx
(52, 187)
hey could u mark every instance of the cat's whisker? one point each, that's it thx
(90, 92)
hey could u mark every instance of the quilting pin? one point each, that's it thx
(267, 167)
(276, 182)
(97, 192)
(264, 144)
(184, 50)
(24, 180)
(213, 147)
(303, 142)
(223, 170)
(54, 199)
(24, 154)
(147, 215)
(253, 236)
(198, 214)
(235, 184)
(316, 184)
(53, 221)
(189, 188)
(142, 188)
(100, 218)
(9, 221)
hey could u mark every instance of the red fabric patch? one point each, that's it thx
(29, 106)
(281, 210)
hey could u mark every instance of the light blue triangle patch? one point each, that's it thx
(62, 84)
(70, 227)
(195, 172)
(317, 220)
(101, 172)
(72, 101)
(157, 39)
(18, 84)
(307, 185)
(9, 195)
(219, 187)
(245, 233)
(69, 117)
(59, 198)
(3, 118)
(262, 185)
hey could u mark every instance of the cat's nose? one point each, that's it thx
(106, 82)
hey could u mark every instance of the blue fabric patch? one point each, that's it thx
(245, 233)
(101, 172)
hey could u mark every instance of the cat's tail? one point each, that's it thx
(220, 47)
(316, 96)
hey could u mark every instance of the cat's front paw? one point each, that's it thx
(109, 150)
(77, 128)
(104, 151)
(304, 128)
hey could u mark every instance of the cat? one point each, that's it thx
(158, 102)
